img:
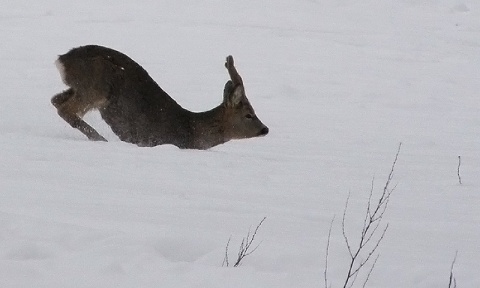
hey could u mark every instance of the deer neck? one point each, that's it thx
(208, 128)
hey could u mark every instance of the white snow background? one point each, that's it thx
(339, 83)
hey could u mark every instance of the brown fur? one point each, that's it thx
(139, 111)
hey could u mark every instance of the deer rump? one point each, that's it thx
(139, 111)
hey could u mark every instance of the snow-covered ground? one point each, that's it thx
(339, 83)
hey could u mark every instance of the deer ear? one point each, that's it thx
(227, 90)
(232, 96)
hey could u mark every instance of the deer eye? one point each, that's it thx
(249, 116)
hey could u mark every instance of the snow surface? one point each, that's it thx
(339, 83)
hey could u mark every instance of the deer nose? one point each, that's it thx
(264, 131)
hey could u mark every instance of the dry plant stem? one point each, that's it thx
(325, 272)
(245, 247)
(452, 283)
(225, 260)
(246, 244)
(370, 271)
(360, 254)
(458, 170)
(368, 231)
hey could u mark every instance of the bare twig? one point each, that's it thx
(370, 271)
(371, 234)
(225, 259)
(245, 247)
(326, 252)
(452, 283)
(458, 170)
(343, 226)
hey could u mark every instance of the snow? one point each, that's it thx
(339, 83)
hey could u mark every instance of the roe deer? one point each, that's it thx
(139, 111)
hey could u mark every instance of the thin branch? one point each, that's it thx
(371, 223)
(326, 252)
(368, 214)
(353, 280)
(390, 175)
(245, 246)
(370, 271)
(371, 233)
(372, 251)
(343, 226)
(458, 170)
(452, 283)
(225, 260)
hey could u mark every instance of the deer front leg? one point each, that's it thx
(68, 108)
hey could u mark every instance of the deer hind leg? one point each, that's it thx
(71, 108)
